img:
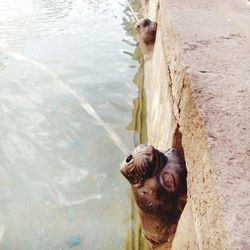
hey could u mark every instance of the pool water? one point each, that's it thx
(66, 102)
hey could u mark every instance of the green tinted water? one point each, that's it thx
(66, 102)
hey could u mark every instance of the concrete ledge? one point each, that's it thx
(198, 78)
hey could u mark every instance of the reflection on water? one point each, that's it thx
(135, 240)
(66, 97)
(138, 123)
(139, 112)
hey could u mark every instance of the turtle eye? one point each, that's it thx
(129, 158)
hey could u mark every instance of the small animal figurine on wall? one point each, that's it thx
(158, 182)
(147, 34)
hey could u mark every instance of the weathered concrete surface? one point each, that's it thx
(198, 77)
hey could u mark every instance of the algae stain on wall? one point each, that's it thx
(139, 112)
(136, 240)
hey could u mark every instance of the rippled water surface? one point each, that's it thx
(66, 96)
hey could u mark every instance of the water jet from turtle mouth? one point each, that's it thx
(82, 100)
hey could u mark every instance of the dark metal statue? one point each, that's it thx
(158, 182)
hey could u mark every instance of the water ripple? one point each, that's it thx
(35, 18)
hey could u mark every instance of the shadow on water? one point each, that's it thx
(138, 124)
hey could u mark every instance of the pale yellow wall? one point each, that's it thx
(174, 95)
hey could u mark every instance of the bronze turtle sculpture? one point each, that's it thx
(147, 30)
(158, 182)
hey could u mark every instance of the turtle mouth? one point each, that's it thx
(124, 171)
(134, 178)
(128, 170)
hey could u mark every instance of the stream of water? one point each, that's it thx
(66, 100)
